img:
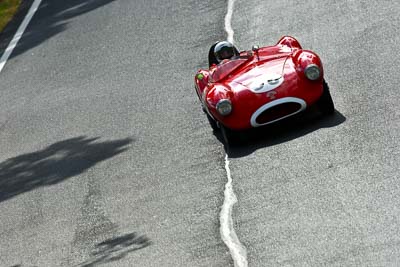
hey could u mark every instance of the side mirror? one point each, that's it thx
(255, 48)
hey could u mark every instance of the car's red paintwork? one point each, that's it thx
(233, 79)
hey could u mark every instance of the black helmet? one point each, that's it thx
(225, 50)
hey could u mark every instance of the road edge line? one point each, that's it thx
(14, 41)
(228, 235)
(228, 21)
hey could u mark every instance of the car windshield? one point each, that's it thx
(224, 69)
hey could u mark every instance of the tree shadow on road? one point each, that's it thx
(55, 163)
(114, 249)
(51, 18)
(281, 132)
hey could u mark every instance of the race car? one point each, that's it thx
(253, 88)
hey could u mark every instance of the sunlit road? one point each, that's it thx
(106, 157)
(326, 193)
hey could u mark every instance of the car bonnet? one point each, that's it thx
(262, 76)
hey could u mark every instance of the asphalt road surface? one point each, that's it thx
(106, 157)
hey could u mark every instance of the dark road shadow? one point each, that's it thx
(280, 132)
(51, 18)
(55, 163)
(116, 248)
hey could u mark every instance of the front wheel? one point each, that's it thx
(232, 137)
(213, 123)
(325, 102)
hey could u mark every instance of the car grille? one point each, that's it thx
(278, 112)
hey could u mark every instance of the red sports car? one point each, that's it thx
(241, 90)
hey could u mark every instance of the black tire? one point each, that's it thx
(213, 123)
(226, 135)
(231, 137)
(325, 102)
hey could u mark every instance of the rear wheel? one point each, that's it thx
(325, 102)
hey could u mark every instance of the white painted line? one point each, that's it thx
(228, 19)
(237, 250)
(18, 34)
(228, 234)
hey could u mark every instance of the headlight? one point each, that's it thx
(312, 72)
(224, 107)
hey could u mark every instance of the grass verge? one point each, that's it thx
(7, 11)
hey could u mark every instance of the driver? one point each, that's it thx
(225, 50)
